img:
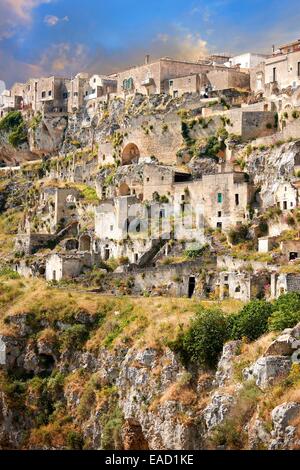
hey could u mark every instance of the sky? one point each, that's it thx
(64, 37)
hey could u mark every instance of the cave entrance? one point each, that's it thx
(192, 286)
(131, 154)
(85, 243)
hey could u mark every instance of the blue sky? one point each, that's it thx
(62, 37)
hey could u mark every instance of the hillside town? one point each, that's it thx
(149, 232)
(156, 177)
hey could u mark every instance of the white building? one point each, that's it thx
(248, 60)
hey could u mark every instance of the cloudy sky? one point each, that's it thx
(62, 37)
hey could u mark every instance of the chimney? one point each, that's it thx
(273, 48)
(147, 59)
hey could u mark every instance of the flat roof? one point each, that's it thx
(294, 43)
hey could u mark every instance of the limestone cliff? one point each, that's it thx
(96, 373)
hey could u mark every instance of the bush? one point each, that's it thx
(75, 440)
(252, 321)
(11, 121)
(203, 342)
(18, 136)
(9, 273)
(74, 337)
(238, 234)
(286, 312)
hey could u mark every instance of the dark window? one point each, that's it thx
(219, 214)
(274, 74)
(148, 179)
(65, 96)
(284, 205)
(219, 225)
(43, 94)
(298, 69)
(237, 200)
(75, 93)
(171, 82)
(49, 93)
(293, 255)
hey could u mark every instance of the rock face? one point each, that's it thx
(269, 168)
(158, 422)
(225, 366)
(218, 410)
(49, 135)
(284, 418)
(267, 370)
(144, 394)
(284, 345)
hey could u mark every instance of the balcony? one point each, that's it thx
(148, 82)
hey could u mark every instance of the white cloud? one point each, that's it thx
(182, 44)
(23, 8)
(52, 20)
(14, 13)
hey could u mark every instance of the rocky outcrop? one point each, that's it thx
(268, 168)
(225, 366)
(218, 410)
(285, 418)
(267, 370)
(284, 345)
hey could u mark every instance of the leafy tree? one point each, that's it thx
(202, 343)
(252, 321)
(286, 312)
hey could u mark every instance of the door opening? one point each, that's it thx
(192, 285)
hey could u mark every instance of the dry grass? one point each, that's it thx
(144, 322)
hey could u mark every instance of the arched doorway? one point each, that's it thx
(131, 154)
(85, 243)
(124, 189)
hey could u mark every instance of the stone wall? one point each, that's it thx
(222, 79)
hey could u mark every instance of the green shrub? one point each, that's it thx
(74, 337)
(9, 273)
(75, 440)
(213, 146)
(11, 121)
(286, 312)
(202, 343)
(238, 234)
(252, 321)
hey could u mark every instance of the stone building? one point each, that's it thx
(286, 196)
(57, 208)
(283, 283)
(247, 60)
(242, 286)
(77, 90)
(290, 249)
(217, 79)
(283, 68)
(52, 95)
(154, 77)
(224, 198)
(60, 266)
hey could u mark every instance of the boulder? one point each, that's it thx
(284, 430)
(267, 370)
(284, 345)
